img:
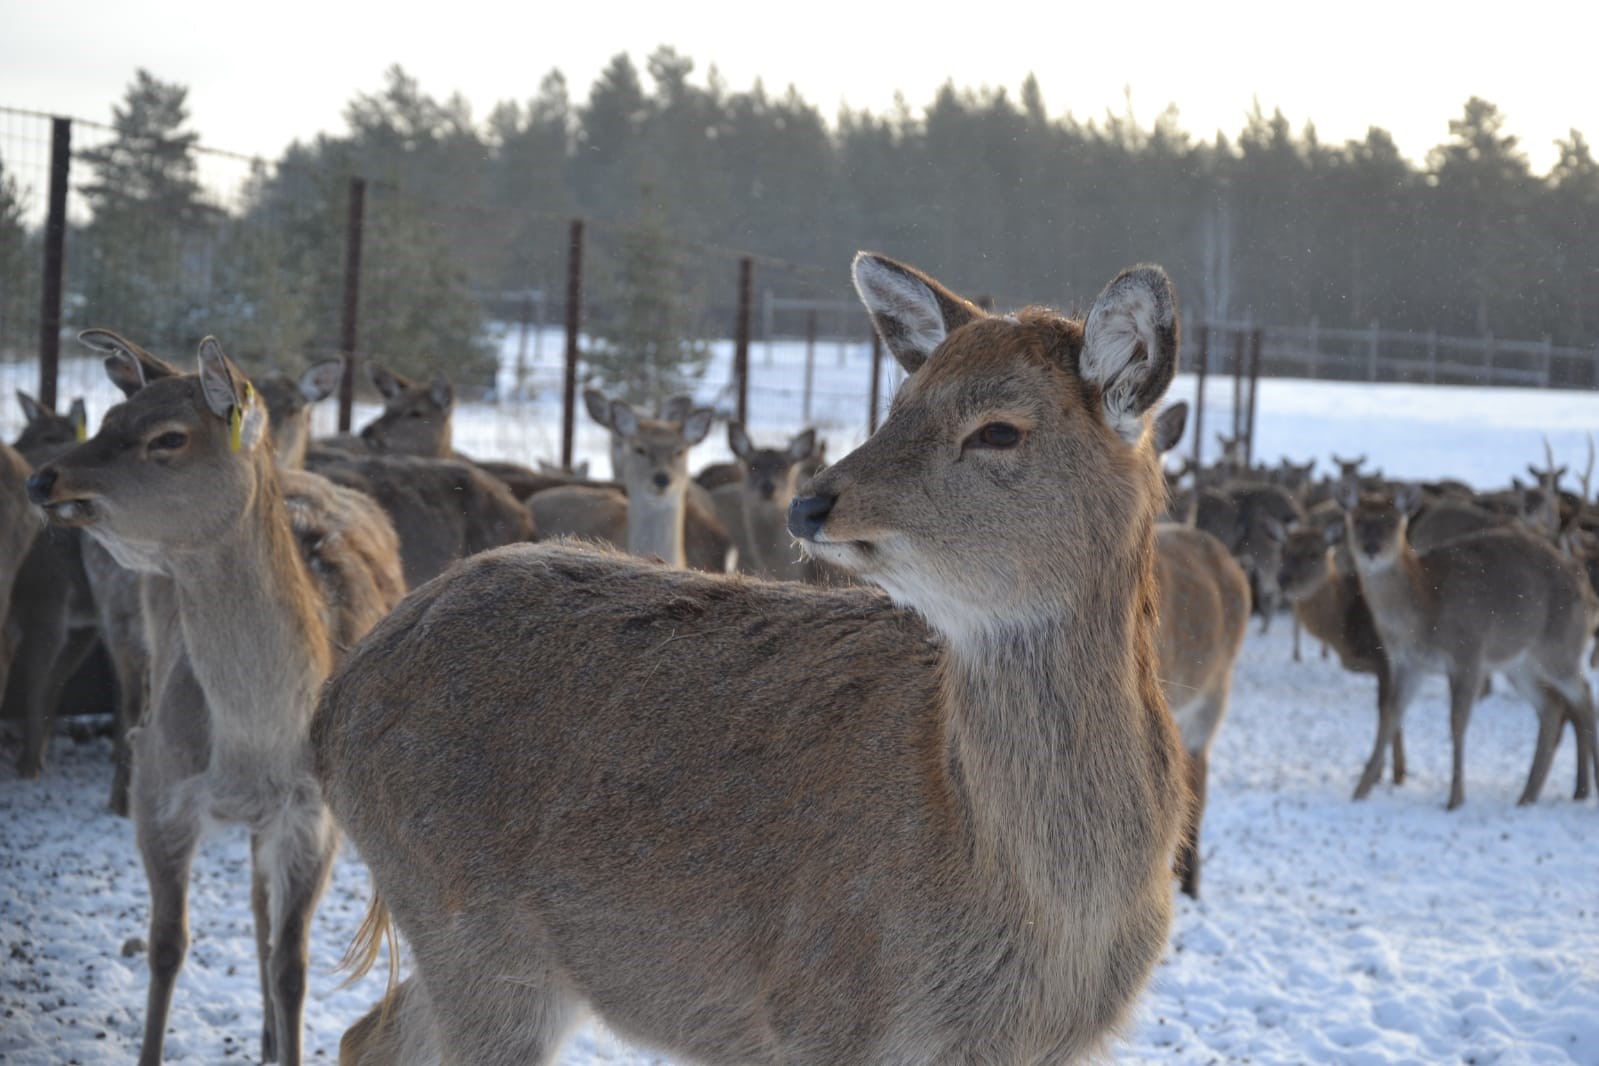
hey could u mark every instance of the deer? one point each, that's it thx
(254, 581)
(755, 509)
(938, 827)
(1327, 602)
(51, 613)
(651, 461)
(1204, 615)
(17, 532)
(1497, 601)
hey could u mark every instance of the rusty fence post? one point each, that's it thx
(354, 226)
(55, 239)
(1256, 339)
(741, 341)
(574, 316)
(1199, 402)
(810, 362)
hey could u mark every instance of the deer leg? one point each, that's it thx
(1578, 708)
(1395, 688)
(167, 847)
(132, 696)
(1296, 640)
(1551, 720)
(1188, 861)
(1464, 688)
(297, 856)
(46, 656)
(260, 908)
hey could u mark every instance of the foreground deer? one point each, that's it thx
(18, 528)
(650, 457)
(255, 580)
(1204, 612)
(1499, 601)
(761, 822)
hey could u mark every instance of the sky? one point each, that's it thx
(261, 76)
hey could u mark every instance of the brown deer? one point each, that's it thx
(1499, 601)
(18, 528)
(417, 416)
(1204, 614)
(755, 509)
(254, 582)
(651, 462)
(1326, 600)
(763, 822)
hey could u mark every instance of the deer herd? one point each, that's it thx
(891, 760)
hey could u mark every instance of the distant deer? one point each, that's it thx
(1204, 614)
(755, 509)
(289, 404)
(1327, 601)
(765, 822)
(255, 581)
(652, 464)
(417, 415)
(1496, 601)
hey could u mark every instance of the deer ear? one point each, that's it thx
(599, 406)
(580, 469)
(1408, 499)
(231, 397)
(129, 367)
(387, 382)
(738, 441)
(1275, 532)
(1333, 534)
(32, 410)
(319, 381)
(697, 426)
(1169, 426)
(441, 392)
(802, 446)
(1130, 346)
(911, 312)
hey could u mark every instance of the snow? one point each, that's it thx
(1387, 931)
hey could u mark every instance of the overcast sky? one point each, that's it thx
(261, 75)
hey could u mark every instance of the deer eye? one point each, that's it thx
(172, 440)
(996, 435)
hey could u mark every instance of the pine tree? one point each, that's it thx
(151, 240)
(19, 272)
(647, 348)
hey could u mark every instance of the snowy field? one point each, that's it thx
(1382, 932)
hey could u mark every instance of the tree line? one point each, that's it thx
(997, 193)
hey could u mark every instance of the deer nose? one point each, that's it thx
(768, 488)
(661, 481)
(807, 513)
(40, 486)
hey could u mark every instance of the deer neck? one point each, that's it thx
(252, 626)
(655, 524)
(1398, 595)
(1052, 726)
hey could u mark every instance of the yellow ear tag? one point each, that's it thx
(236, 420)
(82, 433)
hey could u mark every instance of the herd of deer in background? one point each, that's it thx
(249, 559)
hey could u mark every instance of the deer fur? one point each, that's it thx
(1499, 601)
(755, 509)
(255, 581)
(763, 822)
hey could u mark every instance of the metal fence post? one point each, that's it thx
(741, 340)
(1238, 388)
(574, 315)
(354, 223)
(1256, 339)
(1371, 354)
(1199, 402)
(55, 239)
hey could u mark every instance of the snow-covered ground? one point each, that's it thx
(1382, 932)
